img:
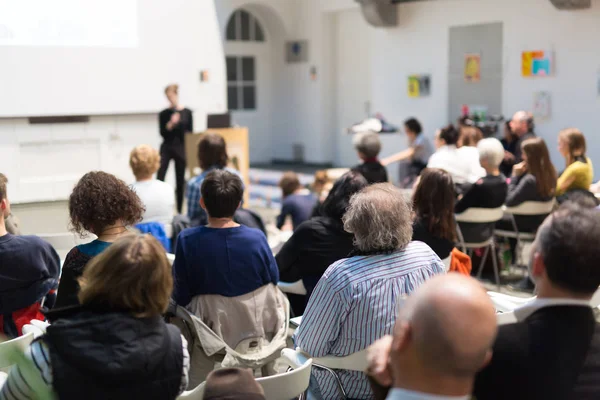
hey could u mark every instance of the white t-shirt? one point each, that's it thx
(158, 198)
(462, 166)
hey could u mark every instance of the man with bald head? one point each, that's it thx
(553, 351)
(443, 336)
(522, 126)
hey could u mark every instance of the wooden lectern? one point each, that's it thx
(237, 149)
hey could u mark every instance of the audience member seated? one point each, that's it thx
(489, 191)
(321, 187)
(579, 173)
(448, 158)
(212, 155)
(443, 336)
(522, 127)
(509, 142)
(320, 241)
(30, 271)
(156, 196)
(297, 202)
(467, 146)
(232, 383)
(222, 258)
(417, 155)
(116, 345)
(355, 302)
(433, 204)
(102, 205)
(553, 351)
(368, 146)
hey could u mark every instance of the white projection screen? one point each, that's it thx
(93, 57)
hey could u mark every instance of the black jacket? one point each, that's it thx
(554, 354)
(113, 355)
(373, 172)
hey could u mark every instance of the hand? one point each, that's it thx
(378, 359)
(175, 118)
(519, 169)
(508, 156)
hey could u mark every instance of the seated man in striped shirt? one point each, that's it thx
(355, 302)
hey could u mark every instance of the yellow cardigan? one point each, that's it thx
(583, 174)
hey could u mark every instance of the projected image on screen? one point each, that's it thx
(106, 23)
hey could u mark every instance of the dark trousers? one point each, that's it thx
(176, 152)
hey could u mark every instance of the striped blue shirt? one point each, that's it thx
(355, 304)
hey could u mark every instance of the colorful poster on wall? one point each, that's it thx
(537, 63)
(472, 67)
(419, 85)
(542, 105)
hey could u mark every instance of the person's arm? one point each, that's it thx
(68, 287)
(31, 378)
(181, 288)
(566, 179)
(163, 122)
(472, 198)
(401, 156)
(286, 209)
(288, 257)
(52, 262)
(321, 323)
(521, 190)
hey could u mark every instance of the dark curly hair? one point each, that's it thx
(99, 200)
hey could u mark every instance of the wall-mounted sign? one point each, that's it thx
(419, 85)
(472, 67)
(537, 63)
(296, 51)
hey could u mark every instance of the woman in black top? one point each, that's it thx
(433, 203)
(174, 123)
(320, 241)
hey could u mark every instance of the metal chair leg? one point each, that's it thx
(336, 377)
(495, 262)
(482, 263)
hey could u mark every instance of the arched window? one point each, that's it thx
(243, 26)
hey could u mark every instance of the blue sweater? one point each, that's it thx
(299, 207)
(228, 262)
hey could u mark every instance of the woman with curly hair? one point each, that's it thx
(103, 205)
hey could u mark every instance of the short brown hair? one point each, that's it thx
(470, 136)
(99, 200)
(172, 87)
(212, 151)
(3, 182)
(289, 183)
(222, 193)
(132, 275)
(144, 161)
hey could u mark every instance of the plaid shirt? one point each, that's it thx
(193, 193)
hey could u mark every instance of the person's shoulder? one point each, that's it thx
(196, 181)
(193, 232)
(253, 233)
(419, 248)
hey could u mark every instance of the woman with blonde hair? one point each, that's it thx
(115, 345)
(579, 172)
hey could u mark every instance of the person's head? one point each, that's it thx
(132, 275)
(99, 200)
(4, 203)
(289, 183)
(320, 180)
(212, 151)
(491, 154)
(470, 136)
(565, 253)
(433, 202)
(144, 161)
(367, 145)
(413, 128)
(232, 383)
(172, 93)
(508, 134)
(443, 336)
(535, 154)
(344, 188)
(449, 135)
(521, 123)
(222, 194)
(380, 218)
(571, 144)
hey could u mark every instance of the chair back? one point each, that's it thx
(506, 318)
(532, 208)
(293, 288)
(8, 348)
(171, 258)
(447, 261)
(285, 386)
(480, 215)
(353, 362)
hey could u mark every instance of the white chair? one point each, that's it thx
(171, 258)
(353, 362)
(293, 288)
(506, 318)
(481, 216)
(506, 303)
(447, 261)
(64, 242)
(37, 327)
(289, 385)
(8, 348)
(529, 208)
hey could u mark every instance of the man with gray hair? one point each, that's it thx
(522, 126)
(368, 146)
(443, 337)
(355, 302)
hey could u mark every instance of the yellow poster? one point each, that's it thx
(472, 67)
(413, 86)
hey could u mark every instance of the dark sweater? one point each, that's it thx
(299, 207)
(441, 246)
(185, 125)
(488, 192)
(522, 189)
(228, 262)
(373, 171)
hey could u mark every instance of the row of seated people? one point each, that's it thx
(125, 290)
